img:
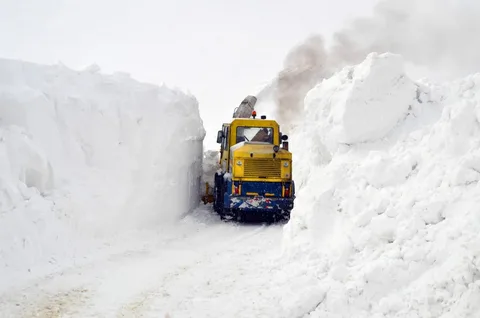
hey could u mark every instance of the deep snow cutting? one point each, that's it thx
(255, 174)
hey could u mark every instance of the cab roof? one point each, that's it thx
(254, 122)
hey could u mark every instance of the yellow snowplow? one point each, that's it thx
(255, 167)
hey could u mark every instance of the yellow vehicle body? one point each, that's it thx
(256, 169)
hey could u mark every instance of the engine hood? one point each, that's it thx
(257, 150)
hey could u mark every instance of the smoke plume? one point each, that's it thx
(304, 66)
(438, 38)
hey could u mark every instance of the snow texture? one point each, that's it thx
(387, 208)
(201, 267)
(86, 156)
(211, 165)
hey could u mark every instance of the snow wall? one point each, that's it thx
(87, 156)
(387, 212)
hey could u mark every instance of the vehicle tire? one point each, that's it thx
(218, 194)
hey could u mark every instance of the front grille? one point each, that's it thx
(262, 168)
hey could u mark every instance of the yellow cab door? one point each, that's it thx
(223, 139)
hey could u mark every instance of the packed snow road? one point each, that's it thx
(207, 269)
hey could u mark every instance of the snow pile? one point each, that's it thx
(387, 212)
(211, 165)
(84, 156)
(355, 103)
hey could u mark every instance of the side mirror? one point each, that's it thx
(284, 137)
(219, 136)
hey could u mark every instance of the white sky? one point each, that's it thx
(220, 51)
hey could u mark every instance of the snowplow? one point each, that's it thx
(255, 168)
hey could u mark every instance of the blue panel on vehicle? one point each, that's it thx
(254, 204)
(258, 203)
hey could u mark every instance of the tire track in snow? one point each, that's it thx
(128, 284)
(46, 295)
(113, 285)
(144, 300)
(200, 216)
(46, 300)
(63, 304)
(237, 277)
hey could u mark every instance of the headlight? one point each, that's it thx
(239, 162)
(285, 164)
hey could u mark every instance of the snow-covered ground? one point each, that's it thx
(387, 212)
(203, 267)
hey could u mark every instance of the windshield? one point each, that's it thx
(258, 134)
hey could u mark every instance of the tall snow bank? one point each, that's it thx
(387, 215)
(88, 155)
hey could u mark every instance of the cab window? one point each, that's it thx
(254, 134)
